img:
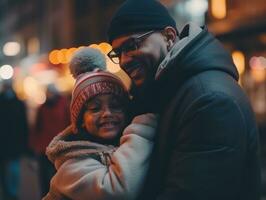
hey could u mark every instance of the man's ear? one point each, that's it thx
(170, 34)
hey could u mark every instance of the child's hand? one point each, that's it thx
(143, 125)
(149, 119)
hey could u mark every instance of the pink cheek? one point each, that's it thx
(89, 121)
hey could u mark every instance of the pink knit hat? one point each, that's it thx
(89, 85)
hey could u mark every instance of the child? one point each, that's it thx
(89, 163)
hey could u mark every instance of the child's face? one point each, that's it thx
(104, 116)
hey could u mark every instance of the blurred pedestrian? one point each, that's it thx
(14, 139)
(207, 144)
(51, 118)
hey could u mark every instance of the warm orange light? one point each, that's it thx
(38, 67)
(105, 47)
(218, 8)
(258, 75)
(258, 68)
(111, 67)
(62, 56)
(33, 45)
(34, 90)
(70, 53)
(81, 47)
(53, 57)
(239, 60)
(95, 46)
(124, 77)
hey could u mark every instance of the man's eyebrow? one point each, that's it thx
(128, 39)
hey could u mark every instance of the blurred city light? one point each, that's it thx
(64, 56)
(111, 67)
(6, 72)
(61, 56)
(95, 46)
(218, 8)
(11, 48)
(33, 45)
(258, 63)
(258, 68)
(105, 47)
(239, 61)
(262, 38)
(70, 53)
(53, 57)
(196, 7)
(46, 77)
(80, 47)
(33, 90)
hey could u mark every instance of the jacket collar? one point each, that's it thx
(189, 32)
(61, 148)
(197, 51)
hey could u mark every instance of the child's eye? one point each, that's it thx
(94, 109)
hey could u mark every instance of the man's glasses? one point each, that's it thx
(131, 44)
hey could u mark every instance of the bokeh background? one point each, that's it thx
(37, 40)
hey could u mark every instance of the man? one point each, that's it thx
(207, 142)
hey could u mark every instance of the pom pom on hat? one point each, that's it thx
(138, 16)
(87, 59)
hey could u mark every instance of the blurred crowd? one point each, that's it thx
(25, 171)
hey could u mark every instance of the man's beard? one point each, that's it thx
(144, 97)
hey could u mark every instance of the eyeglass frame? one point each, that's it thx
(124, 48)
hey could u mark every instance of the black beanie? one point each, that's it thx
(138, 16)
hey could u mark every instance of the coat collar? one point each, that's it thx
(189, 32)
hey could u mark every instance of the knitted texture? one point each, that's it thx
(139, 16)
(87, 60)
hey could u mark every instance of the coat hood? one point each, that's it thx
(62, 149)
(196, 51)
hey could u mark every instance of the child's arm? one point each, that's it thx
(122, 178)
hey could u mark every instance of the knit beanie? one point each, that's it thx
(138, 16)
(91, 84)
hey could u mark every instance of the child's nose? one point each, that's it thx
(106, 111)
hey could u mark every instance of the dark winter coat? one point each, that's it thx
(13, 126)
(206, 147)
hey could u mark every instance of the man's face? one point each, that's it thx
(140, 55)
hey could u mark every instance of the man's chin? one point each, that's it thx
(143, 98)
(140, 88)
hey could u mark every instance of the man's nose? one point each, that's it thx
(124, 59)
